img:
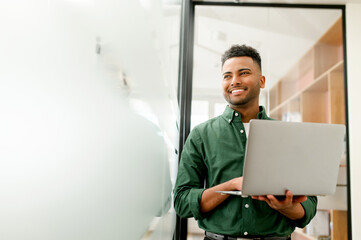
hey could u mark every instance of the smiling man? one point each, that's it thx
(212, 160)
(242, 81)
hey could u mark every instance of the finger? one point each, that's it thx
(264, 198)
(289, 195)
(260, 198)
(257, 198)
(299, 199)
(287, 198)
(272, 198)
(275, 200)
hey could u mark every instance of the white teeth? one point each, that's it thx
(238, 90)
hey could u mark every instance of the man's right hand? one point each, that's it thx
(237, 184)
(211, 199)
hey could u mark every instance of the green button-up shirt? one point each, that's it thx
(213, 154)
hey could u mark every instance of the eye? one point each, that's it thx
(226, 77)
(244, 73)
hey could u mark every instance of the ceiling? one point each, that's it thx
(282, 36)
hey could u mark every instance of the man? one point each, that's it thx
(212, 160)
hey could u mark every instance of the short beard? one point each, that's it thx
(247, 99)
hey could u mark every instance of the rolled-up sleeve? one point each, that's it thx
(189, 185)
(310, 207)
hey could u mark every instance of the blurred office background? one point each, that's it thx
(302, 52)
(93, 115)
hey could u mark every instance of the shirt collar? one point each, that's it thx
(231, 115)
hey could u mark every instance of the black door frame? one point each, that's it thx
(185, 82)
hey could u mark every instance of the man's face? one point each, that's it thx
(242, 80)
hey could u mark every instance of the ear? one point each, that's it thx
(262, 81)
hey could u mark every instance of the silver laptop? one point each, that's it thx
(301, 157)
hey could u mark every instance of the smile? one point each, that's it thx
(237, 91)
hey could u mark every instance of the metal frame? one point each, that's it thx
(349, 212)
(185, 82)
(185, 92)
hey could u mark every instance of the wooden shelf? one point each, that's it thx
(333, 77)
(313, 89)
(338, 225)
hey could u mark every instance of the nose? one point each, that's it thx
(235, 80)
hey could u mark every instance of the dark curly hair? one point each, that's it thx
(242, 51)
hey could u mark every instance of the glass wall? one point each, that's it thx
(302, 54)
(88, 109)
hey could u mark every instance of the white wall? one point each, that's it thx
(353, 37)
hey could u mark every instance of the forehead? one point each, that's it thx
(236, 63)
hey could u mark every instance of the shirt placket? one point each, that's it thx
(246, 202)
(240, 128)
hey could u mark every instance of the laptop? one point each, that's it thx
(301, 157)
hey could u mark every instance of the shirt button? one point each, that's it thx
(245, 233)
(236, 114)
(229, 120)
(246, 206)
(242, 131)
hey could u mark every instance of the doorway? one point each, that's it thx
(303, 56)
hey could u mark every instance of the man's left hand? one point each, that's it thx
(289, 206)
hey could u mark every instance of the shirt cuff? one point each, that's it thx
(307, 205)
(195, 196)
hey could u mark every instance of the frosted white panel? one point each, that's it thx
(78, 159)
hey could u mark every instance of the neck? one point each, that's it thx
(247, 112)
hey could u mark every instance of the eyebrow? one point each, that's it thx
(242, 69)
(239, 70)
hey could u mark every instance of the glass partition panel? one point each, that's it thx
(302, 60)
(88, 109)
